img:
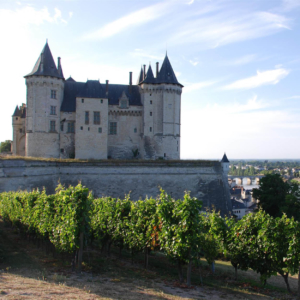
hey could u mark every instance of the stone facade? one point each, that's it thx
(91, 120)
(205, 180)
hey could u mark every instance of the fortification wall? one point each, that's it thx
(204, 179)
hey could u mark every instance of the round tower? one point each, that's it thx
(225, 164)
(45, 86)
(161, 98)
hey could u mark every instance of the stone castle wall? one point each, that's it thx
(204, 179)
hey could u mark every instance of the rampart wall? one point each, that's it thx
(204, 179)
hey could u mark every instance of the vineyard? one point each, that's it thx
(71, 220)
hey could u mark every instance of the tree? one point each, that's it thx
(272, 194)
(5, 146)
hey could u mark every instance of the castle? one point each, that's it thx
(93, 120)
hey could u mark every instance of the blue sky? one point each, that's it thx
(239, 62)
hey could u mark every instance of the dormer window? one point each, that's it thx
(123, 104)
(123, 101)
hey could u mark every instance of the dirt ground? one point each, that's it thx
(30, 285)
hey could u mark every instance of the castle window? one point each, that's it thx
(113, 128)
(101, 101)
(150, 113)
(150, 101)
(87, 117)
(52, 126)
(61, 150)
(150, 129)
(52, 110)
(53, 94)
(100, 129)
(96, 117)
(17, 118)
(61, 127)
(71, 127)
(20, 130)
(88, 128)
(82, 100)
(123, 103)
(81, 128)
(135, 130)
(165, 154)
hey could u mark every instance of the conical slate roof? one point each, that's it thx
(141, 76)
(45, 65)
(149, 77)
(166, 73)
(225, 159)
(17, 112)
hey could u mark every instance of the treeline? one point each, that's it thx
(71, 219)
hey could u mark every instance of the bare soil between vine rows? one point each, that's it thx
(27, 272)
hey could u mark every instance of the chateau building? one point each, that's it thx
(94, 120)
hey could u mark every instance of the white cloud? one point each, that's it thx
(191, 2)
(70, 14)
(144, 54)
(290, 4)
(246, 59)
(228, 26)
(194, 62)
(17, 29)
(249, 129)
(136, 18)
(261, 78)
(190, 87)
(294, 97)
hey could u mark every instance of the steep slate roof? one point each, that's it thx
(45, 65)
(71, 79)
(94, 89)
(149, 77)
(91, 89)
(141, 76)
(23, 113)
(225, 159)
(166, 73)
(237, 204)
(17, 112)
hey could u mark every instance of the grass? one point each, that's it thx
(27, 272)
(108, 161)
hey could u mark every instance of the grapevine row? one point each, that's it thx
(72, 218)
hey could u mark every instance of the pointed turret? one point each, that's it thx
(45, 65)
(166, 73)
(224, 159)
(17, 112)
(225, 164)
(141, 77)
(149, 77)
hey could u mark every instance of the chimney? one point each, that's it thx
(157, 68)
(58, 63)
(106, 90)
(144, 72)
(42, 62)
(130, 82)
